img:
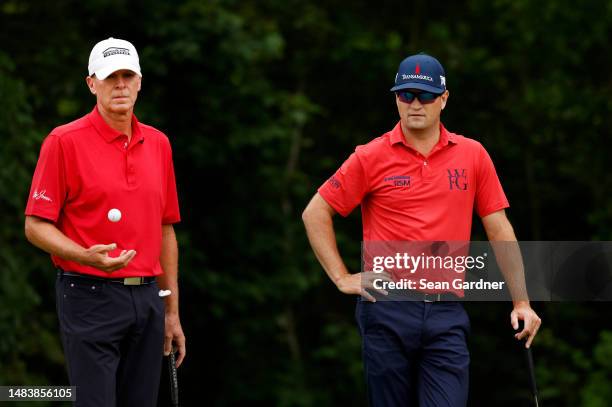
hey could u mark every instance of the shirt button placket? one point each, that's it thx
(425, 171)
(129, 167)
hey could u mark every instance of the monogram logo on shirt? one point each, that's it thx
(398, 180)
(457, 179)
(41, 195)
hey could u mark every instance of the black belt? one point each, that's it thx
(124, 281)
(425, 297)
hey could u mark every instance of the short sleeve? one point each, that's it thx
(48, 190)
(171, 212)
(347, 187)
(490, 196)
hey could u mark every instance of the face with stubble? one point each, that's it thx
(420, 110)
(117, 93)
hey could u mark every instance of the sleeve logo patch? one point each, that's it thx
(333, 181)
(38, 195)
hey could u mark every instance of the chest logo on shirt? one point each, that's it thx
(402, 181)
(457, 179)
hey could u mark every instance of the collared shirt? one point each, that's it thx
(85, 169)
(405, 196)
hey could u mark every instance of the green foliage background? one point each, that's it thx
(262, 101)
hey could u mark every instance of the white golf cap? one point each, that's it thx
(111, 55)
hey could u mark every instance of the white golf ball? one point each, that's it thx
(114, 215)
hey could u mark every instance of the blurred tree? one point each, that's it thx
(27, 321)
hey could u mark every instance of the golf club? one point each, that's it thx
(532, 380)
(173, 379)
(534, 388)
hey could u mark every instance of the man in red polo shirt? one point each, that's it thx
(417, 183)
(103, 203)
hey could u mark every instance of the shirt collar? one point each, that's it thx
(397, 136)
(107, 132)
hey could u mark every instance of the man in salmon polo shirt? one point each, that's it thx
(103, 203)
(407, 182)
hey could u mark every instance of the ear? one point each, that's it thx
(444, 99)
(139, 83)
(90, 84)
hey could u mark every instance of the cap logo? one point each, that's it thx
(443, 80)
(406, 77)
(115, 51)
(417, 70)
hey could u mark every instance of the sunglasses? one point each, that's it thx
(425, 98)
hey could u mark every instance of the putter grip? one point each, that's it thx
(173, 379)
(534, 388)
(532, 379)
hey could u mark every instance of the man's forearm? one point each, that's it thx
(508, 254)
(320, 232)
(510, 261)
(169, 263)
(46, 236)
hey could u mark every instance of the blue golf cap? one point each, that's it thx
(422, 72)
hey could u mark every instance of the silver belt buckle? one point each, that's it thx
(436, 297)
(132, 281)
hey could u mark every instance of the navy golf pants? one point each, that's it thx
(113, 340)
(415, 353)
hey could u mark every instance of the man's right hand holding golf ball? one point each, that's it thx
(45, 235)
(97, 256)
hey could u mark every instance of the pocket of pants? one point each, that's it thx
(59, 298)
(73, 288)
(159, 301)
(362, 314)
(83, 304)
(467, 326)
